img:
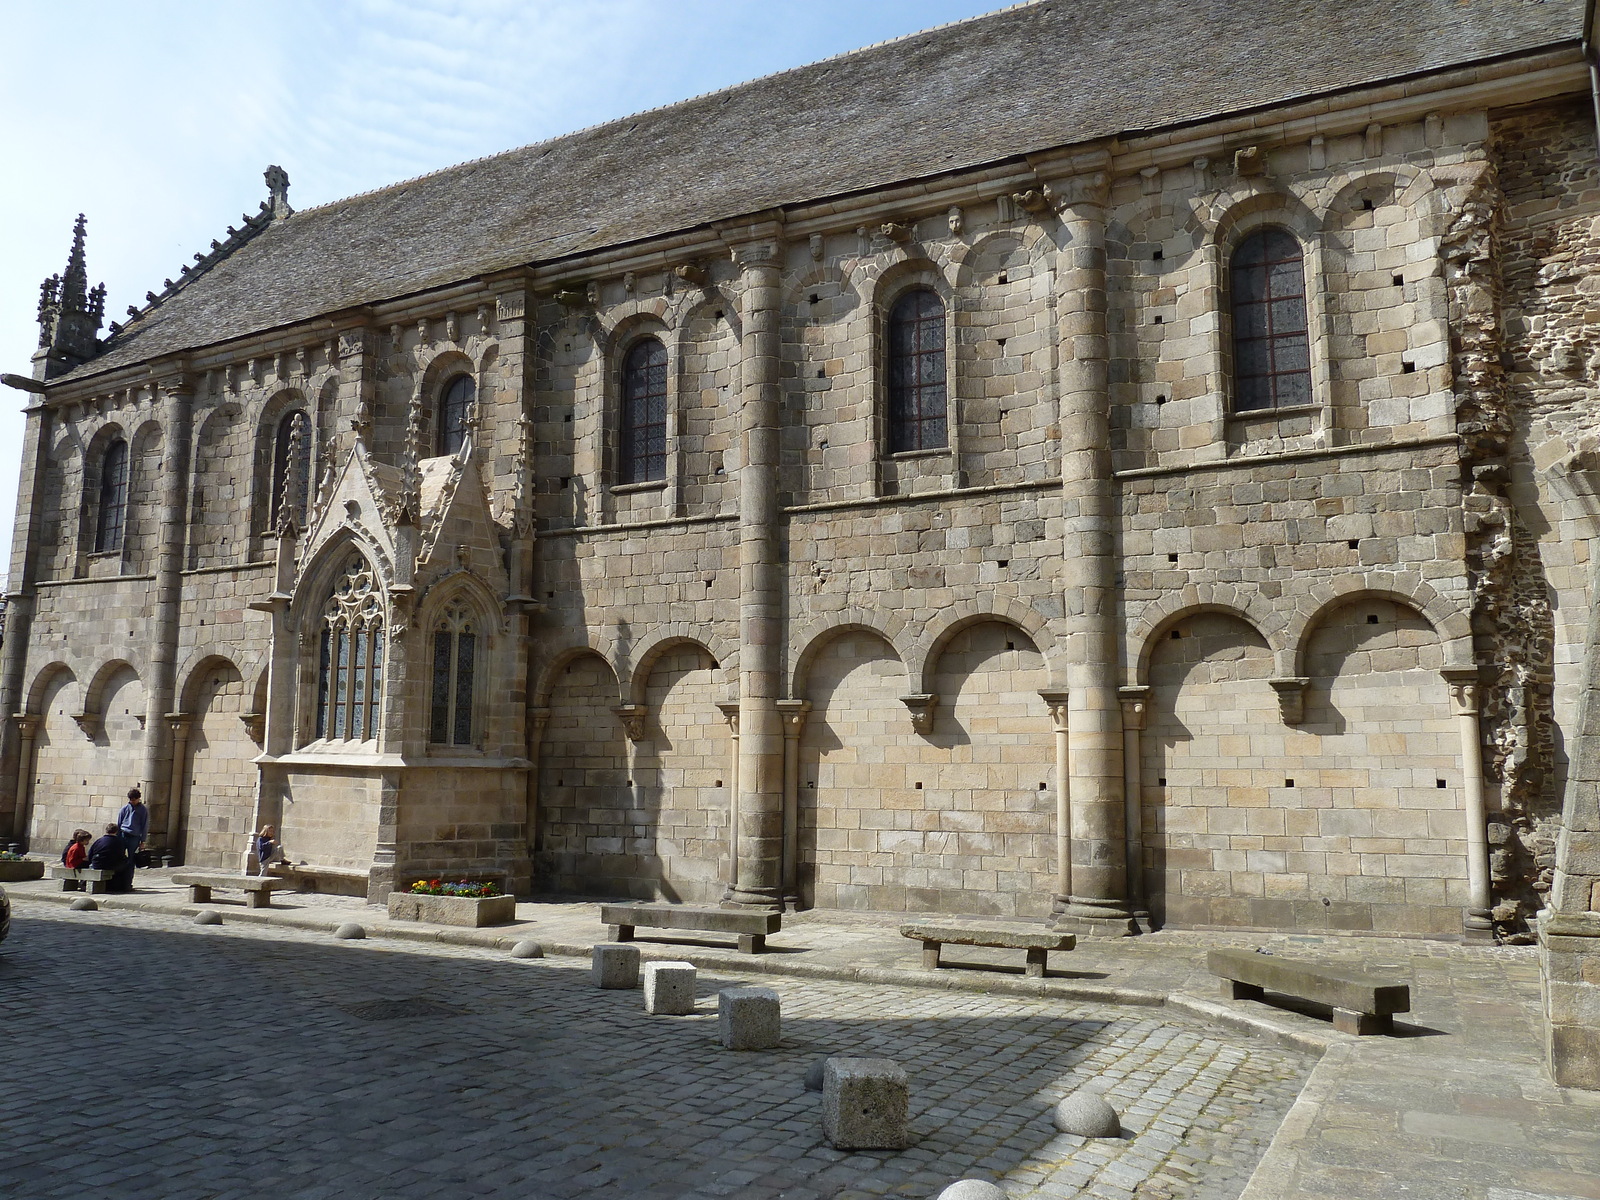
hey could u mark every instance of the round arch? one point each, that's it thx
(1159, 618)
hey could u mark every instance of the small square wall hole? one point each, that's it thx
(549, 595)
(919, 785)
(1041, 785)
(717, 784)
(1161, 399)
(1003, 278)
(814, 299)
(1353, 544)
(822, 372)
(1162, 782)
(719, 314)
(1366, 204)
(1011, 645)
(1001, 342)
(567, 419)
(1176, 634)
(565, 480)
(1399, 281)
(1438, 783)
(1372, 618)
(1172, 558)
(1406, 368)
(1002, 563)
(1157, 255)
(1288, 783)
(1160, 319)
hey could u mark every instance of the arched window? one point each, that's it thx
(644, 412)
(917, 402)
(291, 447)
(1271, 353)
(454, 402)
(350, 673)
(111, 517)
(455, 660)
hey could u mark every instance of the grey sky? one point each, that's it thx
(157, 119)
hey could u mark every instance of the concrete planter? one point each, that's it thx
(20, 872)
(453, 910)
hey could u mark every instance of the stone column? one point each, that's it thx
(1097, 903)
(1058, 704)
(1463, 683)
(538, 718)
(730, 713)
(27, 726)
(1135, 702)
(19, 607)
(758, 871)
(178, 726)
(174, 398)
(794, 724)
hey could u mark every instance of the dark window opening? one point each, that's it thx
(917, 402)
(644, 412)
(455, 648)
(1271, 350)
(111, 519)
(457, 398)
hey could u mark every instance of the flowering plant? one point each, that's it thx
(459, 887)
(7, 856)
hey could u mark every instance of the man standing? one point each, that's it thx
(133, 822)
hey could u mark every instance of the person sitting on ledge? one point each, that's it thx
(268, 849)
(109, 854)
(74, 857)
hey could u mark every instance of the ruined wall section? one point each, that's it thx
(1533, 570)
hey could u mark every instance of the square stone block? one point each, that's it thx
(748, 1018)
(669, 988)
(865, 1104)
(615, 965)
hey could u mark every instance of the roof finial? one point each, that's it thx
(278, 187)
(70, 313)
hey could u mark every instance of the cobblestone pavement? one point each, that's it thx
(149, 1057)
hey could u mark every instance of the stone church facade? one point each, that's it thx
(957, 476)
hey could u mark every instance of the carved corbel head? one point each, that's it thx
(1135, 706)
(922, 710)
(255, 724)
(632, 717)
(691, 273)
(90, 723)
(1291, 692)
(1464, 689)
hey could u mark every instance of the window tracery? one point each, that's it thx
(350, 671)
(455, 653)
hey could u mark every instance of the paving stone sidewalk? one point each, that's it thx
(1455, 1107)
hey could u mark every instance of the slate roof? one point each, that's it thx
(1027, 78)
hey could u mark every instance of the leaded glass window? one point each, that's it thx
(1271, 351)
(291, 466)
(112, 515)
(350, 665)
(455, 660)
(917, 398)
(455, 404)
(644, 412)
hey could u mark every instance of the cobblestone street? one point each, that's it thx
(148, 1057)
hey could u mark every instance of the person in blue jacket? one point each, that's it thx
(133, 822)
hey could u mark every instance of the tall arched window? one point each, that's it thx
(917, 401)
(291, 447)
(644, 412)
(111, 517)
(455, 660)
(1271, 352)
(454, 403)
(350, 673)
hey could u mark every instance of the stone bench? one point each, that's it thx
(258, 889)
(73, 879)
(1037, 942)
(751, 928)
(1361, 1003)
(310, 877)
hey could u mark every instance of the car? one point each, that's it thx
(5, 914)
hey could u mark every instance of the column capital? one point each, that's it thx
(632, 717)
(922, 708)
(27, 723)
(178, 723)
(538, 718)
(1058, 702)
(1291, 690)
(730, 713)
(794, 716)
(1135, 702)
(1089, 190)
(1464, 687)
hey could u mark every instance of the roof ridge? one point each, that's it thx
(687, 100)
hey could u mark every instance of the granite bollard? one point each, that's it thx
(748, 1018)
(615, 965)
(669, 988)
(865, 1104)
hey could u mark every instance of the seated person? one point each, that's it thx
(75, 856)
(268, 849)
(109, 854)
